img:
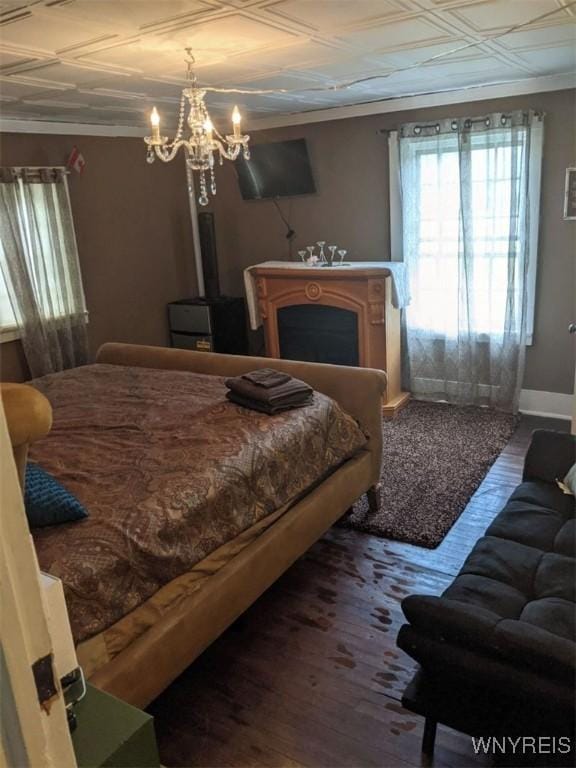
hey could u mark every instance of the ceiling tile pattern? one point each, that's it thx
(108, 61)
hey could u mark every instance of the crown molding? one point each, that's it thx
(8, 125)
(422, 100)
(397, 104)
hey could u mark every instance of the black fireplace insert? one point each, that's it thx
(319, 334)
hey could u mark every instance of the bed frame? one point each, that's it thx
(148, 665)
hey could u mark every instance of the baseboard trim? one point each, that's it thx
(554, 405)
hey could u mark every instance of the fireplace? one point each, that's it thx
(333, 315)
(318, 334)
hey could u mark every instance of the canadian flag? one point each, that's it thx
(76, 161)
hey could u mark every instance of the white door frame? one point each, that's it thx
(32, 734)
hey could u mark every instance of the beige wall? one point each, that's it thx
(350, 164)
(133, 230)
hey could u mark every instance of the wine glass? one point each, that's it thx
(302, 255)
(310, 249)
(321, 244)
(342, 252)
(332, 249)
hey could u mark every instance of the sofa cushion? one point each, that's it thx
(506, 563)
(550, 455)
(552, 615)
(546, 495)
(531, 646)
(529, 524)
(565, 541)
(473, 591)
(555, 577)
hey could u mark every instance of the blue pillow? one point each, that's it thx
(47, 502)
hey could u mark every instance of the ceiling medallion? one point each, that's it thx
(204, 142)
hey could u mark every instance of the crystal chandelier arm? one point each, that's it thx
(219, 143)
(227, 148)
(168, 152)
(162, 144)
(230, 151)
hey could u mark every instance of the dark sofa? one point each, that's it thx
(497, 650)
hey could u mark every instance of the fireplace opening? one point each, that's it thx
(318, 334)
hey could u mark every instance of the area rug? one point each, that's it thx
(434, 458)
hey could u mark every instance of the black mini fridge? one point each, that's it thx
(209, 324)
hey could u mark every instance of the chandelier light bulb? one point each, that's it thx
(236, 120)
(155, 121)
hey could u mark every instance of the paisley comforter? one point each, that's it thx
(169, 470)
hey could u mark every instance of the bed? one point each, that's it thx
(196, 505)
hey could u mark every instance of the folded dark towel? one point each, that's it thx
(269, 408)
(272, 395)
(267, 377)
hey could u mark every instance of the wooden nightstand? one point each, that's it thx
(112, 733)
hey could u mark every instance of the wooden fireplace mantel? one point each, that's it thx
(363, 290)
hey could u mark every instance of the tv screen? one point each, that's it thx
(279, 169)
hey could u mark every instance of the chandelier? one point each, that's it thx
(204, 143)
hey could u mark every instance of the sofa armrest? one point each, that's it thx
(491, 676)
(358, 391)
(550, 455)
(452, 624)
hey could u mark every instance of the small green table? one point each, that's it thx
(112, 733)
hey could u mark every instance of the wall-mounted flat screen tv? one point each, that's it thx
(278, 169)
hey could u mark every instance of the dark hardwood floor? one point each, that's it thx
(310, 675)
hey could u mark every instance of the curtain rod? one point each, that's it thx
(470, 120)
(33, 174)
(20, 168)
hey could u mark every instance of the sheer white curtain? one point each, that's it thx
(469, 194)
(40, 269)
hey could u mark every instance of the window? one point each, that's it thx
(494, 233)
(446, 302)
(47, 253)
(465, 197)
